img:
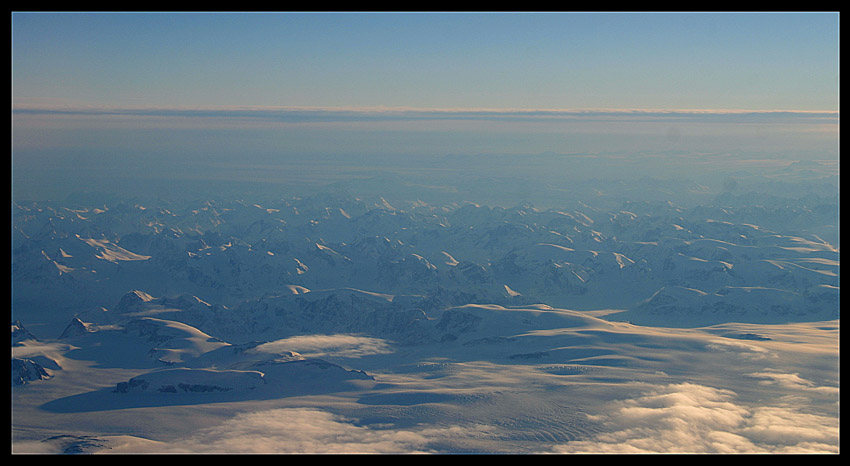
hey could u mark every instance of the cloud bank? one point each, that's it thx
(684, 418)
(286, 430)
(374, 114)
(692, 418)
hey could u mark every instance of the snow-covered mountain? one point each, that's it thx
(27, 370)
(20, 334)
(480, 328)
(224, 255)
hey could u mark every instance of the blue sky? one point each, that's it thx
(786, 61)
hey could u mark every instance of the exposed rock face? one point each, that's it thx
(27, 370)
(184, 380)
(227, 267)
(19, 333)
(76, 328)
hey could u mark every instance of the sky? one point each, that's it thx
(775, 61)
(416, 83)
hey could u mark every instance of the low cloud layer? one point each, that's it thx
(692, 418)
(354, 114)
(678, 418)
(299, 431)
(279, 431)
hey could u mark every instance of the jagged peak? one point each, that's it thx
(77, 327)
(20, 333)
(132, 299)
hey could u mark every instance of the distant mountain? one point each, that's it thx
(209, 258)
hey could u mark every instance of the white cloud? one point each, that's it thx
(297, 430)
(691, 418)
(741, 349)
(300, 431)
(786, 427)
(791, 381)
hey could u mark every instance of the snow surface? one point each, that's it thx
(337, 323)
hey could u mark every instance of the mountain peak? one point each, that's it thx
(132, 300)
(76, 328)
(19, 333)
